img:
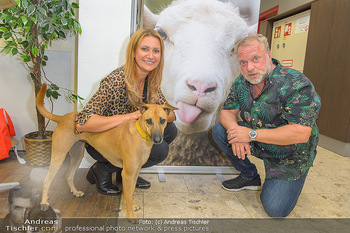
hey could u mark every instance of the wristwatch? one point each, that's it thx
(252, 135)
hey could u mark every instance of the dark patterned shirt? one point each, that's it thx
(287, 96)
(111, 98)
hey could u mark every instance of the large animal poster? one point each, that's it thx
(199, 36)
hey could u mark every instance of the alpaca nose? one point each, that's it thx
(201, 89)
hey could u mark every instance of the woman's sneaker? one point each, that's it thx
(239, 183)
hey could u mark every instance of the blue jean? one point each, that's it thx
(278, 197)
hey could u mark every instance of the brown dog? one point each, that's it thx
(126, 146)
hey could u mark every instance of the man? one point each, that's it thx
(279, 108)
(24, 207)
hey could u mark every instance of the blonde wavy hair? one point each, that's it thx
(154, 77)
(251, 38)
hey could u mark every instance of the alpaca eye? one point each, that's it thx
(161, 32)
(149, 121)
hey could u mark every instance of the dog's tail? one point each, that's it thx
(41, 107)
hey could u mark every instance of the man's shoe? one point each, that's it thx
(142, 183)
(239, 183)
(103, 180)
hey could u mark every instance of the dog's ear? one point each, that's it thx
(142, 107)
(167, 108)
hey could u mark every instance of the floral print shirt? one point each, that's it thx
(288, 96)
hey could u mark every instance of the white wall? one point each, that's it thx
(284, 5)
(17, 91)
(102, 45)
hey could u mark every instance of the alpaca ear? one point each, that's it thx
(168, 108)
(149, 19)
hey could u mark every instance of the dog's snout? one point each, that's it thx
(157, 138)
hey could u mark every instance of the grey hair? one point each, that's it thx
(249, 39)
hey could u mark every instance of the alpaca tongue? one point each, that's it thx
(187, 113)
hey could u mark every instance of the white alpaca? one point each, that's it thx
(199, 37)
(199, 70)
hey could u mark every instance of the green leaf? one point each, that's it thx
(24, 19)
(61, 34)
(76, 27)
(45, 58)
(31, 9)
(46, 27)
(11, 43)
(55, 95)
(3, 17)
(3, 29)
(72, 12)
(43, 63)
(54, 87)
(25, 4)
(48, 93)
(42, 10)
(35, 51)
(39, 17)
(32, 76)
(64, 21)
(9, 18)
(72, 97)
(54, 21)
(65, 5)
(14, 51)
(7, 35)
(74, 5)
(25, 44)
(7, 50)
(25, 58)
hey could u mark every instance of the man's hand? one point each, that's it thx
(241, 149)
(238, 134)
(239, 140)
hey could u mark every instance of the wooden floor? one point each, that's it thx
(92, 204)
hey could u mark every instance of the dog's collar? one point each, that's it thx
(143, 134)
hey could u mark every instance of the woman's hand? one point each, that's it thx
(135, 115)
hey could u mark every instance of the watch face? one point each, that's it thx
(252, 134)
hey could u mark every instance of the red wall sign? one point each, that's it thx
(287, 63)
(287, 29)
(277, 32)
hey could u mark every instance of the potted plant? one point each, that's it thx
(28, 29)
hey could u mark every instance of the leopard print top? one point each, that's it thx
(111, 99)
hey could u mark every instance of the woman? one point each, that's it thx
(138, 80)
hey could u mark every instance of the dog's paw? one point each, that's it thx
(135, 207)
(78, 193)
(44, 207)
(133, 220)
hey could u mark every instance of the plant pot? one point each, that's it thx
(38, 150)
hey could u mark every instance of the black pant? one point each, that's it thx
(158, 152)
